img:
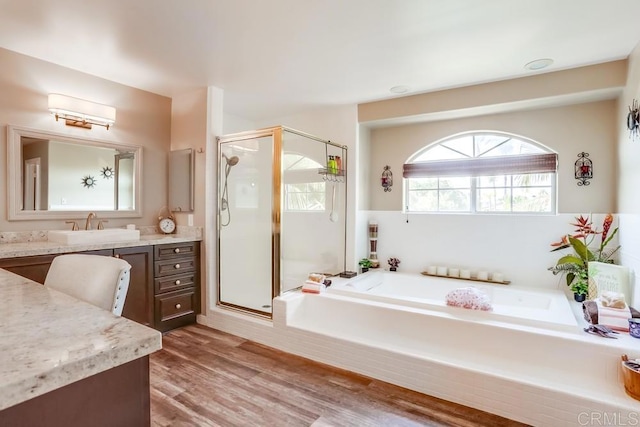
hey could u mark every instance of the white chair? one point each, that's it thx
(99, 280)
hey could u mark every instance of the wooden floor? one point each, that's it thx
(204, 377)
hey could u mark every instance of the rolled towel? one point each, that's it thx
(469, 297)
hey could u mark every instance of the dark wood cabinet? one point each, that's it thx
(164, 288)
(176, 284)
(139, 303)
(31, 267)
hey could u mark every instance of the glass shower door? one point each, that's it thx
(245, 200)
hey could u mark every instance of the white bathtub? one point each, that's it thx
(548, 373)
(546, 308)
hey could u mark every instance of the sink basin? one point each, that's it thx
(87, 237)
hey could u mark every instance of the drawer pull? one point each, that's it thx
(176, 250)
(177, 266)
(178, 306)
(177, 282)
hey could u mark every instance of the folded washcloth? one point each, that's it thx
(470, 297)
(316, 277)
(612, 299)
(313, 287)
(616, 318)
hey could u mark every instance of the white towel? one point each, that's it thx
(615, 318)
(313, 287)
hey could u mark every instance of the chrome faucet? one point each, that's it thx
(87, 225)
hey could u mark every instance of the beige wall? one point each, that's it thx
(628, 176)
(143, 119)
(189, 130)
(567, 130)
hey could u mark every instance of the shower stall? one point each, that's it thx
(281, 214)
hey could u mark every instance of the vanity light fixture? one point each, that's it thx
(81, 113)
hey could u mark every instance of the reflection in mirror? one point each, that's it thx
(53, 176)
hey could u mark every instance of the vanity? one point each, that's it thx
(164, 289)
(64, 362)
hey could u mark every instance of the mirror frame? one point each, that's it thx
(14, 176)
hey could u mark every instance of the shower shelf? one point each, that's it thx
(331, 176)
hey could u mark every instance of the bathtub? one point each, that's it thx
(546, 308)
(539, 368)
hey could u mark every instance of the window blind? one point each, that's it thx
(483, 166)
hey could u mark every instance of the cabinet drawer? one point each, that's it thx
(174, 282)
(175, 266)
(174, 309)
(176, 250)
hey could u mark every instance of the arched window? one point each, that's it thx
(304, 189)
(482, 172)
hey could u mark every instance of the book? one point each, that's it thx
(605, 277)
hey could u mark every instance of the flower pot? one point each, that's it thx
(365, 269)
(392, 269)
(579, 297)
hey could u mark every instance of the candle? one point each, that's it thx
(454, 272)
(465, 274)
(483, 275)
(441, 271)
(432, 270)
(498, 277)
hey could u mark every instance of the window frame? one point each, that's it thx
(475, 179)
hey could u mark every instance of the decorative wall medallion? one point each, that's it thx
(633, 119)
(387, 179)
(88, 181)
(107, 172)
(583, 169)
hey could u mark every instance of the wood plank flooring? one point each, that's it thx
(203, 377)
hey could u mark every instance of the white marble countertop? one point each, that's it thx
(31, 248)
(49, 339)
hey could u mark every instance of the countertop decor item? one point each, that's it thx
(634, 327)
(583, 169)
(575, 265)
(393, 263)
(365, 264)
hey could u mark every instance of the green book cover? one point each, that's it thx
(609, 277)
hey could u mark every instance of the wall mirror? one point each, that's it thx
(181, 177)
(55, 176)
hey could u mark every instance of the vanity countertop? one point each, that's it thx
(31, 248)
(50, 339)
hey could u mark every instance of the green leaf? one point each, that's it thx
(570, 277)
(606, 242)
(570, 259)
(581, 249)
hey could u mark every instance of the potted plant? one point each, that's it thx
(393, 262)
(575, 265)
(365, 264)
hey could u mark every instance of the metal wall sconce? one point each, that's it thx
(633, 119)
(583, 169)
(81, 113)
(387, 179)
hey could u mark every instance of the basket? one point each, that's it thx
(631, 379)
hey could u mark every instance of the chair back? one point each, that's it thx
(99, 280)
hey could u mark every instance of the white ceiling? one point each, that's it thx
(278, 56)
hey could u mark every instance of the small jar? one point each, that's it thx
(634, 327)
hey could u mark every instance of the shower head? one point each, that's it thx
(231, 161)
